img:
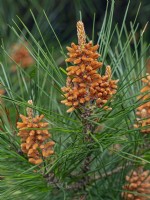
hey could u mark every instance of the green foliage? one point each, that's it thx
(42, 83)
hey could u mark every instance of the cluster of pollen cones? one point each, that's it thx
(84, 83)
(34, 137)
(143, 111)
(21, 56)
(138, 185)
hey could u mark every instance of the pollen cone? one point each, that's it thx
(137, 186)
(21, 55)
(143, 111)
(35, 137)
(84, 83)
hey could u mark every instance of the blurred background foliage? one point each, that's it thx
(66, 13)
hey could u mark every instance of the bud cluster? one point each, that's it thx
(21, 56)
(84, 83)
(138, 185)
(34, 137)
(143, 111)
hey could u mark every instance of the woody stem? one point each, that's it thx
(87, 129)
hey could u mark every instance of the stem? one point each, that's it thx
(87, 129)
(55, 183)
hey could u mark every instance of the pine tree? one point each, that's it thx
(99, 148)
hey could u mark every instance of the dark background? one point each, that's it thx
(64, 15)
